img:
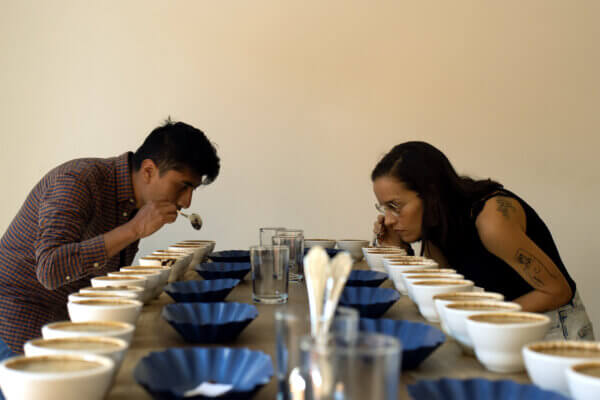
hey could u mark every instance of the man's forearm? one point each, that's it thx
(119, 238)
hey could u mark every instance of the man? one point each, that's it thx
(85, 218)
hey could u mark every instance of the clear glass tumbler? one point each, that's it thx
(367, 367)
(270, 268)
(293, 323)
(266, 234)
(294, 239)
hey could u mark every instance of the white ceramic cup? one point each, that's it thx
(499, 337)
(456, 314)
(83, 376)
(105, 310)
(64, 329)
(547, 362)
(410, 279)
(353, 246)
(440, 300)
(584, 380)
(424, 290)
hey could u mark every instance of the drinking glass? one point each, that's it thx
(367, 367)
(270, 268)
(293, 323)
(266, 235)
(294, 239)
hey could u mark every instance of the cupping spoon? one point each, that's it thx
(195, 219)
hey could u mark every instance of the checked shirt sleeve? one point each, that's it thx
(61, 255)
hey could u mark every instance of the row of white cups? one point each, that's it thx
(503, 338)
(78, 359)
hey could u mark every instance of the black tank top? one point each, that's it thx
(489, 271)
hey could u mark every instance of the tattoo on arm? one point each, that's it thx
(504, 206)
(532, 267)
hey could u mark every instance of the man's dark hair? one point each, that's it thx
(447, 197)
(179, 146)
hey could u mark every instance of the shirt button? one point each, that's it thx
(131, 201)
(96, 265)
(125, 214)
(67, 277)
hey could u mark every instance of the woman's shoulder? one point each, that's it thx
(500, 210)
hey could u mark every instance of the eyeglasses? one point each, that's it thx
(388, 208)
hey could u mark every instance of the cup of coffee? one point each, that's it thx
(425, 289)
(498, 337)
(65, 329)
(547, 362)
(584, 380)
(54, 377)
(440, 300)
(456, 314)
(123, 310)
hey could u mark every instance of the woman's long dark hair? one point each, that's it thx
(447, 197)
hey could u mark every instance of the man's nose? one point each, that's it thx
(185, 200)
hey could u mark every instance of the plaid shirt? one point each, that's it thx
(55, 244)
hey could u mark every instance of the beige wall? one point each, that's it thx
(303, 97)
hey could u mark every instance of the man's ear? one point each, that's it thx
(148, 170)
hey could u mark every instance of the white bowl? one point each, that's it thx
(164, 272)
(151, 285)
(117, 291)
(105, 310)
(112, 348)
(62, 329)
(180, 262)
(37, 378)
(199, 253)
(103, 281)
(499, 337)
(353, 246)
(440, 300)
(584, 380)
(210, 243)
(409, 279)
(424, 290)
(456, 314)
(547, 362)
(395, 271)
(83, 296)
(374, 256)
(324, 243)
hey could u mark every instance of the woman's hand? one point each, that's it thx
(385, 236)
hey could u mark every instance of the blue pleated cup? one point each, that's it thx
(366, 278)
(207, 291)
(223, 270)
(230, 256)
(209, 322)
(370, 302)
(418, 340)
(169, 374)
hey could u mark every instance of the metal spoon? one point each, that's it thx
(195, 219)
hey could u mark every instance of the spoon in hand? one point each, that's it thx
(195, 219)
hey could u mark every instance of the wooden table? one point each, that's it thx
(154, 333)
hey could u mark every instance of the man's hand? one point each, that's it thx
(152, 216)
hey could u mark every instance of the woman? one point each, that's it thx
(482, 230)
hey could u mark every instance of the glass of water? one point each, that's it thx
(270, 268)
(294, 239)
(266, 234)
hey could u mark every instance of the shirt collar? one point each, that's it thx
(123, 179)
